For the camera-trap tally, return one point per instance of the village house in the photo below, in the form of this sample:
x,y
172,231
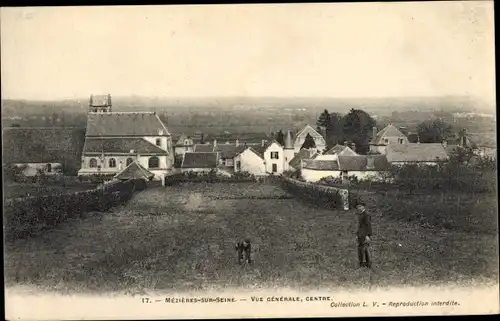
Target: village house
x,y
47,150
335,151
250,161
415,153
184,144
199,162
113,140
300,138
389,135
363,167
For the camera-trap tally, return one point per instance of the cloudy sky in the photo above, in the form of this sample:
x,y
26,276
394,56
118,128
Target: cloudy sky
x,y
320,50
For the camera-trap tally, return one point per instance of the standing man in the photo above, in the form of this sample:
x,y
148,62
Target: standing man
x,y
364,233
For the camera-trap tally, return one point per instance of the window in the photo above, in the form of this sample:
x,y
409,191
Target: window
x,y
129,161
274,155
275,168
386,141
112,162
154,162
229,162
93,163
238,165
49,168
400,140
158,142
186,142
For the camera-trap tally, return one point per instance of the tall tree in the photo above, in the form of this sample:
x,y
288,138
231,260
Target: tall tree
x,y
358,125
308,142
434,131
323,120
280,137
334,130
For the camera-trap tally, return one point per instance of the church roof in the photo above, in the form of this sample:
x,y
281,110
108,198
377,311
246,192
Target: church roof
x,y
121,145
125,124
134,171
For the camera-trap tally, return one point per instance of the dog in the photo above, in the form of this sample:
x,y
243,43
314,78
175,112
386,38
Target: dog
x,y
244,249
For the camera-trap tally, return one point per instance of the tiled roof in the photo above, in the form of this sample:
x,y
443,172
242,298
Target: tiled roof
x,y
362,163
388,131
125,124
229,150
203,148
296,160
199,160
288,140
425,152
335,150
310,129
121,145
43,145
133,171
321,165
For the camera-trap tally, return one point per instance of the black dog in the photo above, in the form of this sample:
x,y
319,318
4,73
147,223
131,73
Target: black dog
x,y
244,250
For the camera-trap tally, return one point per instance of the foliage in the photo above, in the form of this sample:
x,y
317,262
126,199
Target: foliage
x,y
208,177
323,120
358,128
13,173
334,130
308,142
324,196
280,137
434,131
26,216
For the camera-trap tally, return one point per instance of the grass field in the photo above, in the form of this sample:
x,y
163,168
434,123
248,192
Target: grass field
x,y
182,238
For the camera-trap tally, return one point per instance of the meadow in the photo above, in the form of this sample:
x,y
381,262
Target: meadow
x,y
182,238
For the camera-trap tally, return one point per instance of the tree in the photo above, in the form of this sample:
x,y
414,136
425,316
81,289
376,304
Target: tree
x,y
280,138
323,120
308,142
358,127
334,130
434,131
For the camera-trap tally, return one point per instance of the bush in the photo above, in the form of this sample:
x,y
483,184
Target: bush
x,y
210,177
26,216
325,196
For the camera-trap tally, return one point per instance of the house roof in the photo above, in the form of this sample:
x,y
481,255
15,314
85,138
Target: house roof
x,y
121,145
229,150
297,159
203,148
309,128
100,100
42,145
125,124
388,131
424,152
335,150
134,171
361,163
199,160
321,165
288,140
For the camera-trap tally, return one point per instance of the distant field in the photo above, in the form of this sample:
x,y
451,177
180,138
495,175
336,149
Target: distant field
x,y
12,190
181,238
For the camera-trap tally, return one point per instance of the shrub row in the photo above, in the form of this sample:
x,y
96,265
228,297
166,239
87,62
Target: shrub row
x,y
210,177
24,217
324,196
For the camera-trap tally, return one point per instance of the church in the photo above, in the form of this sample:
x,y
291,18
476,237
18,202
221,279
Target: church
x,y
114,140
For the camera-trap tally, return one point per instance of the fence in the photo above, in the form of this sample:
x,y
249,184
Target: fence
x,y
322,195
24,217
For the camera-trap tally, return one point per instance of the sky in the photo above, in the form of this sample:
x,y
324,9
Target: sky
x,y
282,50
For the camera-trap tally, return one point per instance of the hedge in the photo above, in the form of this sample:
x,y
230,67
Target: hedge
x,y
210,177
24,217
324,196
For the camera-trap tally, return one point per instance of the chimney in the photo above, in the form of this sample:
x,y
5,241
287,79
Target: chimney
x,y
263,142
237,142
215,142
370,162
353,146
374,133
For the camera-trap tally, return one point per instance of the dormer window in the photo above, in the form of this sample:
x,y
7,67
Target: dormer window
x,y
160,132
158,142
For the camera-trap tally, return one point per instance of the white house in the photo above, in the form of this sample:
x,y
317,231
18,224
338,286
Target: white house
x,y
250,161
334,152
113,140
388,135
361,166
300,137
